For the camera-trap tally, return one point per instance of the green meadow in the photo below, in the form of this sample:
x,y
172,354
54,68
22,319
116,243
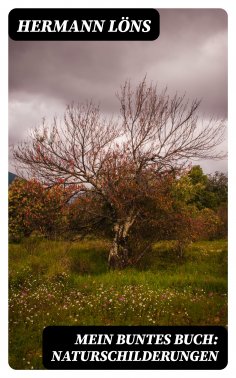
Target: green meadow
x,y
63,283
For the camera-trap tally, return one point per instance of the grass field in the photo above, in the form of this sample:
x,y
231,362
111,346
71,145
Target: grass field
x,y
58,283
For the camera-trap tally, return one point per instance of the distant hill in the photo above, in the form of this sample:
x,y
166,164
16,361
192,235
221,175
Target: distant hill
x,y
11,177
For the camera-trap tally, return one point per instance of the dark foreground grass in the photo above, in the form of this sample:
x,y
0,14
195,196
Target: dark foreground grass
x,y
58,283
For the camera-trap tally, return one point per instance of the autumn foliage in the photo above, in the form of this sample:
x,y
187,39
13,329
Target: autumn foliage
x,y
166,208
33,208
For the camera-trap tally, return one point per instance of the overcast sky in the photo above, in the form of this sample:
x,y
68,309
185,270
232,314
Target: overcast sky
x,y
189,56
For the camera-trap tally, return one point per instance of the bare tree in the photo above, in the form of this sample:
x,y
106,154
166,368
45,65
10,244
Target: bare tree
x,y
121,162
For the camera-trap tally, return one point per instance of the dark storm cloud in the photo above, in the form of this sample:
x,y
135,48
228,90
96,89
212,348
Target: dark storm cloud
x,y
189,56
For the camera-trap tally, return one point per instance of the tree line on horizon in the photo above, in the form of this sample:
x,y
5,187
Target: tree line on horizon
x,y
188,208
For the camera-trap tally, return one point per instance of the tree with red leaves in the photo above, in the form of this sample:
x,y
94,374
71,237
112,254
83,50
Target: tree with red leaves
x,y
123,166
34,208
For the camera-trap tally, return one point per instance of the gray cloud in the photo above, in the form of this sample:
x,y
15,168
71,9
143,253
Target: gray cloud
x,y
189,56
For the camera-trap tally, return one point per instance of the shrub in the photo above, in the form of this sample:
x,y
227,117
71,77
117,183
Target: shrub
x,y
32,208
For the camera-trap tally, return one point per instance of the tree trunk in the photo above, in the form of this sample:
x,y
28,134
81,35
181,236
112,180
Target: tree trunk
x,y
118,255
119,252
